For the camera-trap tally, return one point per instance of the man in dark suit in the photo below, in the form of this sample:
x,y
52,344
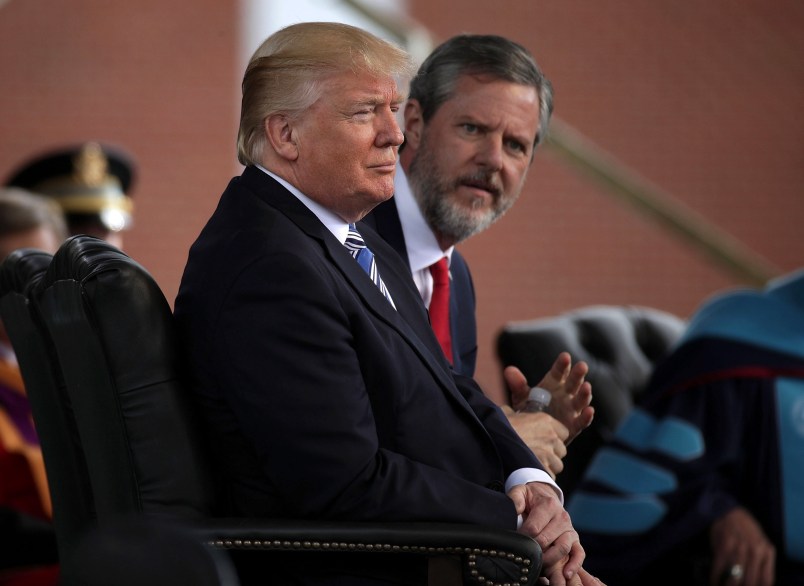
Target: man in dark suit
x,y
313,364
478,108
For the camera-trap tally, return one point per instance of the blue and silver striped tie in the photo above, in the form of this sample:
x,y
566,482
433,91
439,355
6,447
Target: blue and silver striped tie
x,y
365,258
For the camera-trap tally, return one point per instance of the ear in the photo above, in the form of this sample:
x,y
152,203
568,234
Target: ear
x,y
280,134
414,124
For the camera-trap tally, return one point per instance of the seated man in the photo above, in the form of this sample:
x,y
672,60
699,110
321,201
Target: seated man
x,y
321,383
711,459
462,166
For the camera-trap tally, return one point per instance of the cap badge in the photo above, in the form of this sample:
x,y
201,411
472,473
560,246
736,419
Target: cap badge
x,y
91,165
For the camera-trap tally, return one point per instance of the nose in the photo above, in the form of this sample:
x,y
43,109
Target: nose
x,y
388,131
490,153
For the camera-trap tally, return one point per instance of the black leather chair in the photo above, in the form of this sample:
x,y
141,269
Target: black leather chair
x,y
114,407
144,552
66,472
621,344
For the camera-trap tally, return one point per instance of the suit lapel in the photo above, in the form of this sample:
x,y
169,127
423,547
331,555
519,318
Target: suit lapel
x,y
410,318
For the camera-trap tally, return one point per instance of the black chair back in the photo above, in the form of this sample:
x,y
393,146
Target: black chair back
x,y
112,329
71,494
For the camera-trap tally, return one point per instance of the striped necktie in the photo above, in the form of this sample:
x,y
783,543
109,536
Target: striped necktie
x,y
365,258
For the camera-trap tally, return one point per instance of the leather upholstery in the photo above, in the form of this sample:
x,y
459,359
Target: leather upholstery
x,y
100,307
621,344
135,434
67,478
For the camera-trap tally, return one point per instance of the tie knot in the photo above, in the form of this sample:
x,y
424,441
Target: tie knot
x,y
440,271
354,241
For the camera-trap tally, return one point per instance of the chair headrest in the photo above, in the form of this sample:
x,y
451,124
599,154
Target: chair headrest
x,y
22,269
620,343
81,257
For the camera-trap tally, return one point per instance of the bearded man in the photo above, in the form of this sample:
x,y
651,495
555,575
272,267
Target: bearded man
x,y
478,108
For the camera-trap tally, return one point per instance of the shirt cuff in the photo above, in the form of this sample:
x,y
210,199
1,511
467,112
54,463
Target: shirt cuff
x,y
525,475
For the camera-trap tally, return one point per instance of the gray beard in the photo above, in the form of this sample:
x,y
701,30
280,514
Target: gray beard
x,y
449,221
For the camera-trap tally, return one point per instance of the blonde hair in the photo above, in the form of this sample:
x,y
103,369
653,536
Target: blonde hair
x,y
285,73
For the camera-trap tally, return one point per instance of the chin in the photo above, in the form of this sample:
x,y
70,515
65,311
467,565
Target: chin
x,y
479,217
385,192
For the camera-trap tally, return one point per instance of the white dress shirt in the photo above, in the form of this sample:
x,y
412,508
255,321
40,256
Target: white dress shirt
x,y
421,244
333,222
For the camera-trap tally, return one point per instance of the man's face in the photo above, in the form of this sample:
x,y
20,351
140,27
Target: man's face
x,y
347,144
469,162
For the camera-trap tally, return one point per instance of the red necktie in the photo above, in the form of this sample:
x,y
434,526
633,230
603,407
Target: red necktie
x,y
439,306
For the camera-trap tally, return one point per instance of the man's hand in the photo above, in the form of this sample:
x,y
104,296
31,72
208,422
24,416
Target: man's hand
x,y
571,393
582,578
546,521
738,542
544,435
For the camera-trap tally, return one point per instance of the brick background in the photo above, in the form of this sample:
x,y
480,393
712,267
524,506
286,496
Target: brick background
x,y
701,98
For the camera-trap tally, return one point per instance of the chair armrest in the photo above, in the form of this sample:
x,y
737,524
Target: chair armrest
x,y
488,556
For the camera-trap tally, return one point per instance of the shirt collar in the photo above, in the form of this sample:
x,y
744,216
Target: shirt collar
x,y
422,246
333,222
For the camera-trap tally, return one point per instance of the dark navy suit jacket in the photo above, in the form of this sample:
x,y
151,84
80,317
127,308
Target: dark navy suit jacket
x,y
321,400
463,326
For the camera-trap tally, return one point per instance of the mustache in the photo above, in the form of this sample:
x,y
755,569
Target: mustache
x,y
482,180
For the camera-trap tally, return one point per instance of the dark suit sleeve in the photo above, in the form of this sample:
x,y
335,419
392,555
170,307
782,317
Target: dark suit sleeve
x,y
513,452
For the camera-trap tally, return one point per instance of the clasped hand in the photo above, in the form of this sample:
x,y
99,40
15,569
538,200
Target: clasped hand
x,y
546,521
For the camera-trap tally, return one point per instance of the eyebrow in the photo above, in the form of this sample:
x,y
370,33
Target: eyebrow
x,y
373,101
469,119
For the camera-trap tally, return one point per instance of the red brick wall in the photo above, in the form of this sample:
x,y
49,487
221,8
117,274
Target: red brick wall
x,y
156,78
704,99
